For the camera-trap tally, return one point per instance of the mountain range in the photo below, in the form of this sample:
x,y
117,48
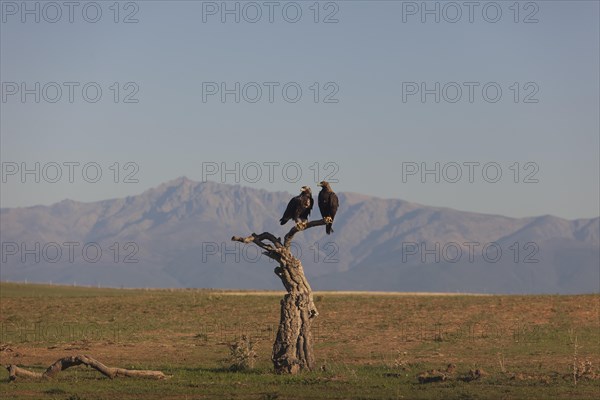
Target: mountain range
x,y
178,235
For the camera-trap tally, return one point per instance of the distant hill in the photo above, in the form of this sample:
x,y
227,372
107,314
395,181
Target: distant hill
x,y
179,232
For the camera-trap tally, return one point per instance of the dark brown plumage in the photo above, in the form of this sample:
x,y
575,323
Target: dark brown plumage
x,y
299,207
328,205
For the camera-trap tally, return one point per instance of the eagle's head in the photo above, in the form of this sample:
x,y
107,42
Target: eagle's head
x,y
325,185
305,189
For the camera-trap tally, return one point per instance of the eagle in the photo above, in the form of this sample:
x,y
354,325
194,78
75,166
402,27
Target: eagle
x,y
299,207
328,205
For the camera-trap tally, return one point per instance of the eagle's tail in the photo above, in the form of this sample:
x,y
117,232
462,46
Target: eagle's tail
x,y
329,228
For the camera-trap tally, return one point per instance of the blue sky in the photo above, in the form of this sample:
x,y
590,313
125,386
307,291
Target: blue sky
x,y
546,119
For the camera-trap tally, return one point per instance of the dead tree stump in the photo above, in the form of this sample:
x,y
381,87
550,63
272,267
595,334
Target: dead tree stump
x,y
293,347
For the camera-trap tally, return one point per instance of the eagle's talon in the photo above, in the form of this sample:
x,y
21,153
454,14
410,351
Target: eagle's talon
x,y
328,220
301,225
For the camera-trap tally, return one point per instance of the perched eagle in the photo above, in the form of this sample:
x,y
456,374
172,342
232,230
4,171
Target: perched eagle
x,y
328,205
299,207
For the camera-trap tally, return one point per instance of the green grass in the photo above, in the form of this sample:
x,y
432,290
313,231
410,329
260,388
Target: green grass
x,y
366,346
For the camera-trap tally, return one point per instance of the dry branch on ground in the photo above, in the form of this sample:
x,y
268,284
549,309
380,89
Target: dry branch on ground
x,y
62,364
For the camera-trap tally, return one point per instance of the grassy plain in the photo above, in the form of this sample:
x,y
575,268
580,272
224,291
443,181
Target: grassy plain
x,y
367,345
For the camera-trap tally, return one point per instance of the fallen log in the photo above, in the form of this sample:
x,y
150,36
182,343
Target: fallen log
x,y
62,364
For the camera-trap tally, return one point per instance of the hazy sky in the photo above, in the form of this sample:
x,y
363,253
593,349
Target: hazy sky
x,y
386,92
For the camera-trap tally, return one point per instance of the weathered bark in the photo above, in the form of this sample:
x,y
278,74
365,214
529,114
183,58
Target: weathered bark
x,y
15,372
293,347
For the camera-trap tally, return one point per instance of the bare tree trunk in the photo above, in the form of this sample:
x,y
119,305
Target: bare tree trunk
x,y
15,372
293,347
